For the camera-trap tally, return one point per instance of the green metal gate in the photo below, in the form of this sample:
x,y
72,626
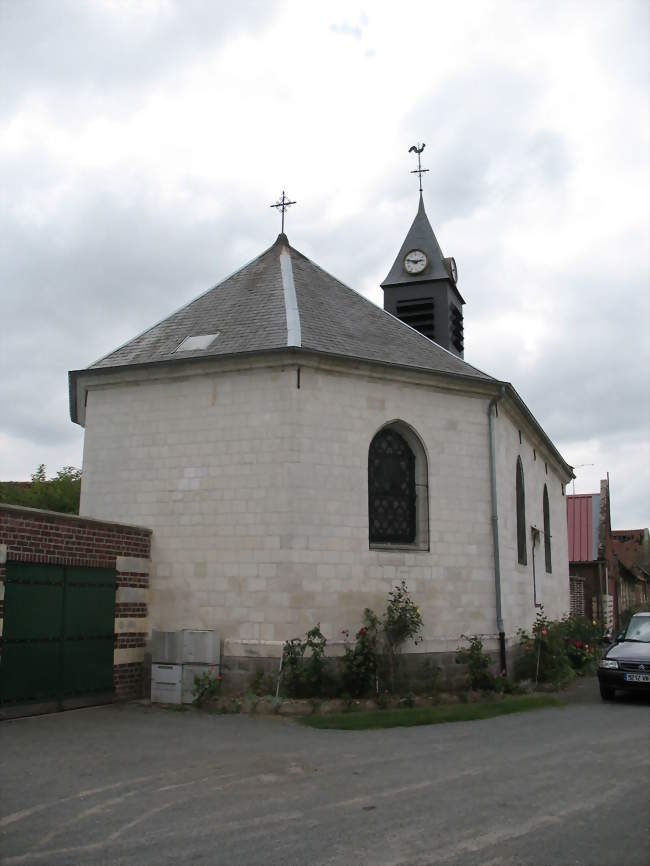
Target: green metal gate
x,y
57,640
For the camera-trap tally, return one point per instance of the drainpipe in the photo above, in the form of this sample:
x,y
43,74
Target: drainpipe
x,y
534,538
495,528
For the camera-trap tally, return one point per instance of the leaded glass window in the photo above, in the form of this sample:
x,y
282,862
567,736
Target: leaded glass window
x,y
547,532
521,514
391,489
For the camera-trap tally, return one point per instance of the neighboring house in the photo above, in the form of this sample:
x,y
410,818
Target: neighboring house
x,y
631,554
592,586
608,569
297,451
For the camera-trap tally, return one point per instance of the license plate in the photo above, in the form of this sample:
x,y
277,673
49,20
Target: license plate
x,y
637,678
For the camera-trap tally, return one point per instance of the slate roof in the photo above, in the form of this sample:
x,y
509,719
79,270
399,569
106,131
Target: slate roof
x,y
282,299
419,237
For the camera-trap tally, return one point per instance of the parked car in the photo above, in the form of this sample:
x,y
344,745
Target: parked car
x,y
626,664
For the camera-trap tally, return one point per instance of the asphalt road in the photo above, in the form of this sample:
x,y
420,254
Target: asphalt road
x,y
139,785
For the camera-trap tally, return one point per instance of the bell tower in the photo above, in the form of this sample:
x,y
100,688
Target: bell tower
x,y
421,287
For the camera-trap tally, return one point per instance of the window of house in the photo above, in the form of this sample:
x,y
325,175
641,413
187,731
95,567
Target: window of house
x,y
521,514
577,596
547,532
397,488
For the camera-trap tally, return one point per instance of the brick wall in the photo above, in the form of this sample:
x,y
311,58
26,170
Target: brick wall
x,y
31,535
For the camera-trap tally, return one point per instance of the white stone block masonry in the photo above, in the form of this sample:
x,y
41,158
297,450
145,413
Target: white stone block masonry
x,y
257,495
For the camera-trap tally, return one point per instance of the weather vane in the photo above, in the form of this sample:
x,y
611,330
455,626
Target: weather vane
x,y
418,148
283,204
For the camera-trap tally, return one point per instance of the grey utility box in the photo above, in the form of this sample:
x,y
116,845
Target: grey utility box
x,y
176,658
201,646
167,647
166,684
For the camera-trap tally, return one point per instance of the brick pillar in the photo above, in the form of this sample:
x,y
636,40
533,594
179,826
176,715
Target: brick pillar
x,y
131,625
3,572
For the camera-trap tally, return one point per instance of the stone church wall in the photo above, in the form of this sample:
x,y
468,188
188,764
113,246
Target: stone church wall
x,y
256,491
519,589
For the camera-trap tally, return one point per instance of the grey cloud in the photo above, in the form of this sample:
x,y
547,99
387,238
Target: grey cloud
x,y
589,377
484,141
77,46
105,270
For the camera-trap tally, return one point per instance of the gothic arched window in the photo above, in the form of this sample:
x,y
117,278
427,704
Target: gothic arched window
x,y
398,488
391,489
547,531
521,514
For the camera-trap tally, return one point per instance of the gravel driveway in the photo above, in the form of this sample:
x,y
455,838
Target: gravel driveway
x,y
134,784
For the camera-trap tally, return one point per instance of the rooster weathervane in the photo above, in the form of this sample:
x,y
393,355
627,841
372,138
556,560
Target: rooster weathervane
x,y
418,148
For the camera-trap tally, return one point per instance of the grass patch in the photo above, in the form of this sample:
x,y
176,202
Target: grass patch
x,y
431,715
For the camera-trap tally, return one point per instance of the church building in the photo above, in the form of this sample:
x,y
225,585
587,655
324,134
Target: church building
x,y
298,451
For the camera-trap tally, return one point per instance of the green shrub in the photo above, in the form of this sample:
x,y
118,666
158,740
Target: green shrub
x,y
402,621
505,686
583,639
303,666
262,684
544,656
206,686
360,661
478,664
377,645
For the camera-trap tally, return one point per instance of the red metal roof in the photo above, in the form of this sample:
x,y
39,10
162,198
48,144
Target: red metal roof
x,y
631,548
583,546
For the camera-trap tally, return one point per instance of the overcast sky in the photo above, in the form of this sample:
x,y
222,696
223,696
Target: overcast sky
x,y
141,144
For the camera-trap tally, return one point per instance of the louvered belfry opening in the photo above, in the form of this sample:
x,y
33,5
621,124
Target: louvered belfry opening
x,y
391,489
419,313
456,328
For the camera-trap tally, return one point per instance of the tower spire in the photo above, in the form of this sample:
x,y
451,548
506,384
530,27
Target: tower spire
x,y
421,287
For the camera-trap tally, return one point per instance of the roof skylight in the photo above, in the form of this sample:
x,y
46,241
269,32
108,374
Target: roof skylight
x,y
198,341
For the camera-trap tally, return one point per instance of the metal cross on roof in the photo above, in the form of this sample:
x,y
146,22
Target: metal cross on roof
x,y
283,204
418,148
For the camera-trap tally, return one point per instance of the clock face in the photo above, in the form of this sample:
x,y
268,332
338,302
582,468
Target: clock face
x,y
415,262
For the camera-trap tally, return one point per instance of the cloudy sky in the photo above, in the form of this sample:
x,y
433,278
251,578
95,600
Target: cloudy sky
x,y
141,144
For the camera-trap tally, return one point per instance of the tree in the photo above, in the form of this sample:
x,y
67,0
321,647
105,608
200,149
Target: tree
x,y
59,493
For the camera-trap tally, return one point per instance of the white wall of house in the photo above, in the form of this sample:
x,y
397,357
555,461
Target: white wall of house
x,y
257,494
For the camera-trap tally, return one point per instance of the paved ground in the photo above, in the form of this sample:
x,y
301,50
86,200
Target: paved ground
x,y
139,785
